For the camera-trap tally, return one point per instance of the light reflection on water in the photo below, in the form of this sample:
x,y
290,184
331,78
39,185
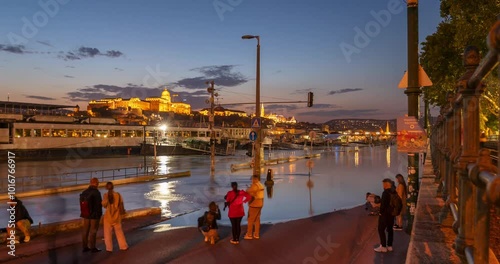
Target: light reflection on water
x,y
339,178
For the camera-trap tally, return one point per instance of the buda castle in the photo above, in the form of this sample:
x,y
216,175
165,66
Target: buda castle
x,y
153,104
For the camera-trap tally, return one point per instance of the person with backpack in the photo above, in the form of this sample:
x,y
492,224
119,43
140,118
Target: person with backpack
x,y
207,224
113,202
388,210
402,193
235,200
91,212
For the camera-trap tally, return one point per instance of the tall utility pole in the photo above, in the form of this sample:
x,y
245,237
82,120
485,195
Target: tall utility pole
x,y
413,92
258,130
211,90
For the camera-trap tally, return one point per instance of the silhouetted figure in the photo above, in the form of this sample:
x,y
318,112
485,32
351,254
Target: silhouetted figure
x,y
91,212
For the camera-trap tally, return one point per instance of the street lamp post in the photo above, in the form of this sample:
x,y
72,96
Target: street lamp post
x,y
413,92
258,130
211,90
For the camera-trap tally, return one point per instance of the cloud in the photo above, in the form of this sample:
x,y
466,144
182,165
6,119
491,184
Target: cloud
x,y
222,75
118,69
88,52
17,49
69,76
45,43
69,66
40,97
342,113
346,90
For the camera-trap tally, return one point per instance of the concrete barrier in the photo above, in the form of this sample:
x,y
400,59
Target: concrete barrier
x,y
51,228
101,184
248,165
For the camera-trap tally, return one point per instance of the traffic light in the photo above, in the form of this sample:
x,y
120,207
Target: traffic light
x,y
310,99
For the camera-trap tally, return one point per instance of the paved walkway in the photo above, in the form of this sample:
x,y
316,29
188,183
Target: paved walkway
x,y
347,236
431,241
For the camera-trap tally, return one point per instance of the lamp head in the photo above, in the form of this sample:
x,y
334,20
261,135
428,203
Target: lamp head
x,y
248,37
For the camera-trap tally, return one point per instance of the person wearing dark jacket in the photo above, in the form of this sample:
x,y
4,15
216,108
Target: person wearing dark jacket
x,y
23,219
386,219
91,222
210,227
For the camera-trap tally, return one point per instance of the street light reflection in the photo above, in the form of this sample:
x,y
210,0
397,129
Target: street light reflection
x,y
388,157
356,158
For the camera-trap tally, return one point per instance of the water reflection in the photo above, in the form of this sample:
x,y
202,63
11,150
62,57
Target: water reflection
x,y
162,164
388,157
163,192
310,185
356,158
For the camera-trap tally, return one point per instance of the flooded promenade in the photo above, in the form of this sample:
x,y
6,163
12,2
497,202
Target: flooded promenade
x,y
339,179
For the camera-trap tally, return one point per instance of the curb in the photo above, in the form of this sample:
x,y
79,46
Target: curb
x,y
71,225
101,184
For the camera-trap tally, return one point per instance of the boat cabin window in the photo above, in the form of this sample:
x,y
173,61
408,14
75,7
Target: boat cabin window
x,y
202,134
115,133
45,132
102,133
59,132
87,133
139,133
37,132
74,132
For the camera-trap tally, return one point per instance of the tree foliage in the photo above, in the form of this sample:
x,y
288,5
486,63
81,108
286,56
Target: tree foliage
x,y
464,23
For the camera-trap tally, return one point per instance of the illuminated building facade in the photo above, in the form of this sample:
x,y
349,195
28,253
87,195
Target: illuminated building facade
x,y
154,104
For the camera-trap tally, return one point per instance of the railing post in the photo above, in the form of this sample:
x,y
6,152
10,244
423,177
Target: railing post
x,y
482,213
470,121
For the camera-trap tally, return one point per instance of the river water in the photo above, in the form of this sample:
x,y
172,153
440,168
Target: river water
x,y
339,179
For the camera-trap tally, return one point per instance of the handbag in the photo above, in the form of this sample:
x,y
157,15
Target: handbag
x,y
226,204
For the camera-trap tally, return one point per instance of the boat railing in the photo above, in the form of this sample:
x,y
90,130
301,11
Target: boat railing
x,y
38,182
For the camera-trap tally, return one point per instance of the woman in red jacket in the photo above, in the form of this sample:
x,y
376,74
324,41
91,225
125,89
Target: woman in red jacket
x,y
235,199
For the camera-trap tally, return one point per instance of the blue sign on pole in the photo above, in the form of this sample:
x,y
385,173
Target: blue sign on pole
x,y
252,136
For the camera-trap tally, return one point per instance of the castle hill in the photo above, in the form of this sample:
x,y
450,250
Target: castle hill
x,y
233,131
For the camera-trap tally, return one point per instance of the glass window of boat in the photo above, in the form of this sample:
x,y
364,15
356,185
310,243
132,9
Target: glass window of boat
x,y
201,134
139,133
74,132
87,133
18,132
115,133
45,132
128,133
59,132
194,133
37,133
102,133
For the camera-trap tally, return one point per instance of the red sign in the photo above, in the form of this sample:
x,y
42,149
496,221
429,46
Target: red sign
x,y
411,137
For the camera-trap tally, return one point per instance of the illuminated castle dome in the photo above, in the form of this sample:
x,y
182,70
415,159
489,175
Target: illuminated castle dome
x,y
166,95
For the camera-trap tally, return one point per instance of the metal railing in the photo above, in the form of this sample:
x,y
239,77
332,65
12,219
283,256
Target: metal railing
x,y
467,174
30,183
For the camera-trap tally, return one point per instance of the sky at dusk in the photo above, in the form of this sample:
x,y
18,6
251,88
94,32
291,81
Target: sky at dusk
x,y
71,51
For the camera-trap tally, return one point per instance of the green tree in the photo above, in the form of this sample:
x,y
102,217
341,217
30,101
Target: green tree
x,y
464,23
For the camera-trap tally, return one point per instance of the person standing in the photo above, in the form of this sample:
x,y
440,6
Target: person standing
x,y
256,191
402,193
385,219
92,197
235,200
23,220
113,202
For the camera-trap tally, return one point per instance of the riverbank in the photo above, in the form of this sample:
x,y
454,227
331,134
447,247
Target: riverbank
x,y
346,236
